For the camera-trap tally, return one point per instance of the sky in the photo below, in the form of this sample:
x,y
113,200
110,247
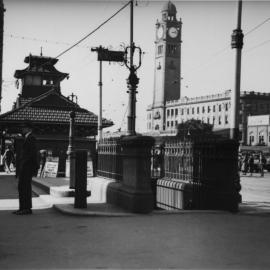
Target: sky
x,y
208,62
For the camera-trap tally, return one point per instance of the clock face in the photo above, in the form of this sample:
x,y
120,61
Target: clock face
x,y
173,32
160,32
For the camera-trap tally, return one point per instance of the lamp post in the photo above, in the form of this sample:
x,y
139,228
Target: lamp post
x,y
132,80
237,43
70,151
2,10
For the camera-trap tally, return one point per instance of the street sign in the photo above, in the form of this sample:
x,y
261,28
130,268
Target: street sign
x,y
111,56
107,55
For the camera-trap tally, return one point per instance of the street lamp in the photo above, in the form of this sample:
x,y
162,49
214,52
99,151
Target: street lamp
x,y
132,80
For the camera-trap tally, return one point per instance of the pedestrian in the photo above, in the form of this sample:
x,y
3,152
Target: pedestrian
x,y
28,167
240,160
8,158
244,165
43,156
251,164
262,162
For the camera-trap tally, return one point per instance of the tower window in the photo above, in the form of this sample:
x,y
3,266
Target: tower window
x,y
203,109
168,112
219,107
208,109
198,109
171,49
226,119
214,108
193,110
172,112
226,107
160,49
176,112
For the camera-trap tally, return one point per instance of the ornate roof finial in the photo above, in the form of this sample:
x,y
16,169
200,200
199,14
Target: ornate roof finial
x,y
41,51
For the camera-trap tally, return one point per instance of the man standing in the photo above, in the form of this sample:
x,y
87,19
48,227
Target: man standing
x,y
28,166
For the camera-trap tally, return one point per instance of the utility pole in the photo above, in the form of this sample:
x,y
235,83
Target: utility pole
x,y
100,102
99,51
132,80
2,10
237,43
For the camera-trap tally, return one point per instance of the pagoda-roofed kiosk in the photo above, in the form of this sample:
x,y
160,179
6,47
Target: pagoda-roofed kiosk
x,y
40,76
42,102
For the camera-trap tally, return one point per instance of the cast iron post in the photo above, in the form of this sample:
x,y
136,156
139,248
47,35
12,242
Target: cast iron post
x,y
132,80
2,10
237,43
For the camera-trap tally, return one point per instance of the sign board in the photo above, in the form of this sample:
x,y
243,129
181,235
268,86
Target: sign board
x,y
258,120
111,56
51,167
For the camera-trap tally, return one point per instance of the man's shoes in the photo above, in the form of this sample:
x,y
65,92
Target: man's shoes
x,y
23,212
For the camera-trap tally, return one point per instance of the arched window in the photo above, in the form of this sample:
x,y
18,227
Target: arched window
x,y
156,127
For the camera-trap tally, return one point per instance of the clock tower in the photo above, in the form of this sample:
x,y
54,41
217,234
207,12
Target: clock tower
x,y
167,75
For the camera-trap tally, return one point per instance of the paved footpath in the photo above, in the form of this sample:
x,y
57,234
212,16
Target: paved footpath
x,y
49,240
180,240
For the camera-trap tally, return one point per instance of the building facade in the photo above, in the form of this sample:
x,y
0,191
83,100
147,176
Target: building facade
x,y
169,108
211,109
258,130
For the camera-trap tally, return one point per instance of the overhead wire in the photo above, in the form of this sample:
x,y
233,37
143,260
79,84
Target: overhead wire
x,y
257,26
42,40
213,56
86,36
257,46
92,32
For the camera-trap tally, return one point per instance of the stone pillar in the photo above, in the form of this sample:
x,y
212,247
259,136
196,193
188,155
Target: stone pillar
x,y
134,192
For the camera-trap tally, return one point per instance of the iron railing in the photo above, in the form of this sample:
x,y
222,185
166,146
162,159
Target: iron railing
x,y
110,159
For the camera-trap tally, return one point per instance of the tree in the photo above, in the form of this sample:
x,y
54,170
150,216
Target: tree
x,y
194,128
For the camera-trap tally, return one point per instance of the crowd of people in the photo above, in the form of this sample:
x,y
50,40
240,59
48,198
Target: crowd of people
x,y
251,163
